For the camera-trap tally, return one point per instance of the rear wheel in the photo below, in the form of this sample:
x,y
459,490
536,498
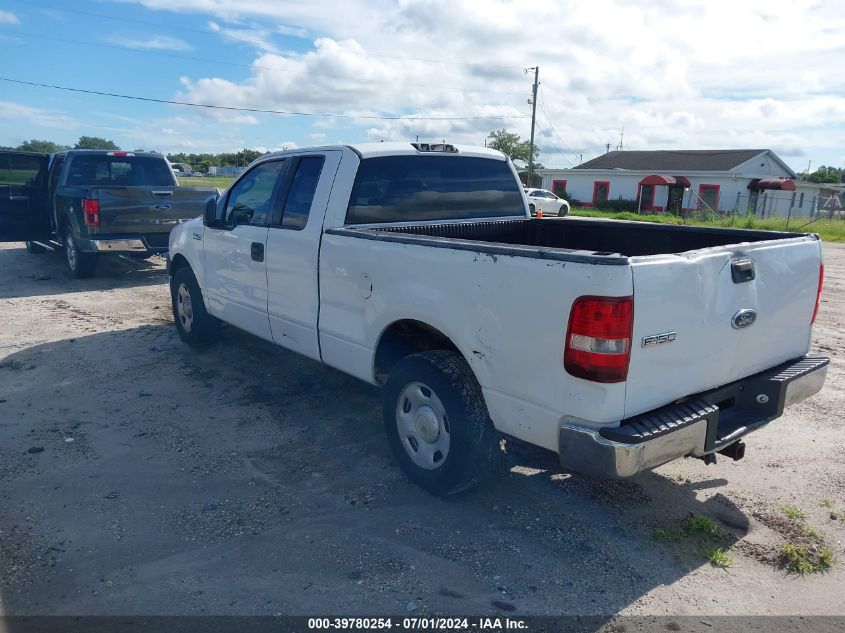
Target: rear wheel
x,y
79,264
195,325
437,422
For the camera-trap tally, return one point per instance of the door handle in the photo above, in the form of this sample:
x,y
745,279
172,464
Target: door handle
x,y
256,251
742,270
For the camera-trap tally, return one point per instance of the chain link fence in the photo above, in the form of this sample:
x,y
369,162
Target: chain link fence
x,y
793,206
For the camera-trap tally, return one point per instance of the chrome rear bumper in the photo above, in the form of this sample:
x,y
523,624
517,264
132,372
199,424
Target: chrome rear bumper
x,y
701,424
119,246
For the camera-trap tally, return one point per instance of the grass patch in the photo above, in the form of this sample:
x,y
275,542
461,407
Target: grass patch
x,y
812,532
826,503
668,535
800,559
829,230
794,513
696,540
702,527
719,557
222,182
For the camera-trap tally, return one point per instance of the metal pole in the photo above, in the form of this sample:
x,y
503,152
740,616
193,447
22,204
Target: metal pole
x,y
533,119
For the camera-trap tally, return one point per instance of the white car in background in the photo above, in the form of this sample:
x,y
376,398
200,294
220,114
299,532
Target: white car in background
x,y
545,202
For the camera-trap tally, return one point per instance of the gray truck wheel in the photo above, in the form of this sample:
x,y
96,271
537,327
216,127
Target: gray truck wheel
x,y
195,325
437,422
81,265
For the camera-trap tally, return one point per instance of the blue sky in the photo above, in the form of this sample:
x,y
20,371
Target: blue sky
x,y
679,74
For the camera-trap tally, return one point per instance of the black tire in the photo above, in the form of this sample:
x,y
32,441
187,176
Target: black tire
x,y
195,325
532,209
32,247
563,211
473,444
80,265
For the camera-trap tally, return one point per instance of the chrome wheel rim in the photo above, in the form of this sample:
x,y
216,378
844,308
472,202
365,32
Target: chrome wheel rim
x,y
184,307
423,425
70,250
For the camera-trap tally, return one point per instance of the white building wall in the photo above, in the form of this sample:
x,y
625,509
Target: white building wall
x,y
734,195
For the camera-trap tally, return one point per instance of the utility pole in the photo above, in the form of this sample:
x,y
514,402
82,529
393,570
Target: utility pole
x,y
536,70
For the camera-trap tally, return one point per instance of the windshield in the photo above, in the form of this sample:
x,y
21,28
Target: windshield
x,y
99,170
418,188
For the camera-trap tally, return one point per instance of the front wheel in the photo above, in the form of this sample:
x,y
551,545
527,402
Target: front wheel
x,y
532,209
195,325
563,211
437,422
80,264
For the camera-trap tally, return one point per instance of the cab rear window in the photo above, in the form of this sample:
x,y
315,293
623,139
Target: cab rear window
x,y
419,188
119,171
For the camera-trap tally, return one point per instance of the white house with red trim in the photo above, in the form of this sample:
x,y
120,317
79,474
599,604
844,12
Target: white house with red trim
x,y
680,181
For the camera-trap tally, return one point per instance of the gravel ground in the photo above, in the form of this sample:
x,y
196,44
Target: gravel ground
x,y
140,477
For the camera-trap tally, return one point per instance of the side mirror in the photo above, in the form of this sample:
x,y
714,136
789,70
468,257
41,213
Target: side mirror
x,y
209,217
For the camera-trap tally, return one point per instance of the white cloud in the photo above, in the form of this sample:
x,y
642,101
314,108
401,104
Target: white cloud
x,y
18,113
154,43
7,17
293,31
678,73
258,38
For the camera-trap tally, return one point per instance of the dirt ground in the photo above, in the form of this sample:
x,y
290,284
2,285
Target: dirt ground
x,y
138,476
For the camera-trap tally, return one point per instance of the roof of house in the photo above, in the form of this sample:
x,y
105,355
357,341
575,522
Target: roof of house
x,y
673,160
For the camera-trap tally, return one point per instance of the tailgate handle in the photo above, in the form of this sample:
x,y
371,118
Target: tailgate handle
x,y
742,270
162,193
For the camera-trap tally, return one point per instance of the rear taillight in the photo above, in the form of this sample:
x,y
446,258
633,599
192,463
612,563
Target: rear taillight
x,y
91,211
818,293
598,339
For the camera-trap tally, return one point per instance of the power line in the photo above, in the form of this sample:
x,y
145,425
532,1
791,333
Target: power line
x,y
262,110
238,65
549,121
207,32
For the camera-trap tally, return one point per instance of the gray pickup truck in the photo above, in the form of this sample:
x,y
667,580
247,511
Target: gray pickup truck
x,y
92,202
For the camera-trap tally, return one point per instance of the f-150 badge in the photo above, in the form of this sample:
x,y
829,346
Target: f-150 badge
x,y
659,339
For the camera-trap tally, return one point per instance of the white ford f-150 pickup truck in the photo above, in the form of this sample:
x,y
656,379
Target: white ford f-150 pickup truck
x,y
618,345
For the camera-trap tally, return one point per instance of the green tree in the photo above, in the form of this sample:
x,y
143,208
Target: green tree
x,y
95,142
510,144
825,174
36,145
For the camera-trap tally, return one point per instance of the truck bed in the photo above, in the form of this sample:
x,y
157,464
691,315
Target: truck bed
x,y
599,241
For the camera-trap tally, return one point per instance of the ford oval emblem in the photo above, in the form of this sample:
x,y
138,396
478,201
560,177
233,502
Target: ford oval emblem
x,y
743,318
163,206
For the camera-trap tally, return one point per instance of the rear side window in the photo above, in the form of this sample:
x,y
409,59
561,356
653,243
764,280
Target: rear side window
x,y
119,171
301,194
417,188
18,169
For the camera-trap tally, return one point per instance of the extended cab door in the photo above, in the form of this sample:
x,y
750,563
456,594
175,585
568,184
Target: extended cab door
x,y
293,247
23,196
234,253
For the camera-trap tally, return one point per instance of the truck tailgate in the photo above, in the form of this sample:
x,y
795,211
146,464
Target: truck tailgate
x,y
687,336
144,210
